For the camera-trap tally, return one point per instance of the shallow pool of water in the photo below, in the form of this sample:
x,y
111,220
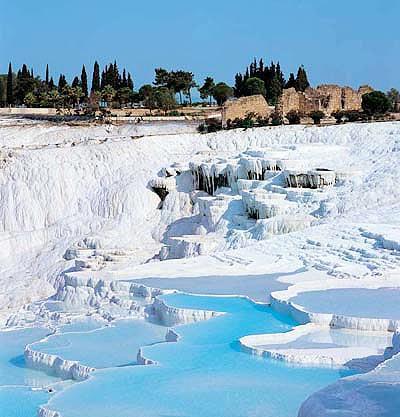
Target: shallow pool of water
x,y
204,374
353,302
22,390
115,345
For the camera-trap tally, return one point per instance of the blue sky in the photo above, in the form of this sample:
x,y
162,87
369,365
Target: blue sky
x,y
348,42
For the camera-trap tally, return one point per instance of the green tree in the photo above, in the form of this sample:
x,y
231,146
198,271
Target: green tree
x,y
275,90
30,99
62,83
375,103
206,90
10,87
54,98
84,82
108,94
291,83
129,82
178,83
96,77
302,79
254,86
164,99
239,85
124,95
221,93
280,76
47,74
162,78
188,84
25,83
147,96
394,97
75,82
71,96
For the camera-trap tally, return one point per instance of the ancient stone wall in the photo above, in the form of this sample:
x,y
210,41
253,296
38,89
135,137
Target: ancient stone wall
x,y
241,107
328,98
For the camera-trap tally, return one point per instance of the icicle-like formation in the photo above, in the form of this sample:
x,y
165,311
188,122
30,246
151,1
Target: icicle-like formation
x,y
210,176
257,169
317,178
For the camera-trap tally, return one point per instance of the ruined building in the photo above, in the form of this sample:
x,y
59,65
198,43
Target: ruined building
x,y
328,98
241,107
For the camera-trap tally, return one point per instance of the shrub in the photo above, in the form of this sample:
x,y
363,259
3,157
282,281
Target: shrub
x,y
317,116
353,115
262,121
349,116
338,115
276,119
293,117
209,126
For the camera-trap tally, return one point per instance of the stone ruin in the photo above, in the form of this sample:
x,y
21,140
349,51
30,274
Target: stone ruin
x,y
328,98
239,108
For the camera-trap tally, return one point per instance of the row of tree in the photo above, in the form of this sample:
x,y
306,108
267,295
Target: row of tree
x,y
268,81
24,88
110,86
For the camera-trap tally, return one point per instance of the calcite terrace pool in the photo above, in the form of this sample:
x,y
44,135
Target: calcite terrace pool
x,y
204,373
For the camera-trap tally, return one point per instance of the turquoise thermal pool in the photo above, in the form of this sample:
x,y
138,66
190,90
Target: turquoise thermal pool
x,y
204,374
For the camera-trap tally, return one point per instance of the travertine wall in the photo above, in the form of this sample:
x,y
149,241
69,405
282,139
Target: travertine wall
x,y
239,108
328,98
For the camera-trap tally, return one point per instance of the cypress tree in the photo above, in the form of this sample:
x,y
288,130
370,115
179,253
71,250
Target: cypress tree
x,y
10,93
96,77
260,71
129,81
47,74
62,82
84,83
75,82
115,76
24,85
238,89
103,78
246,75
301,79
51,84
124,81
291,83
280,75
275,90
